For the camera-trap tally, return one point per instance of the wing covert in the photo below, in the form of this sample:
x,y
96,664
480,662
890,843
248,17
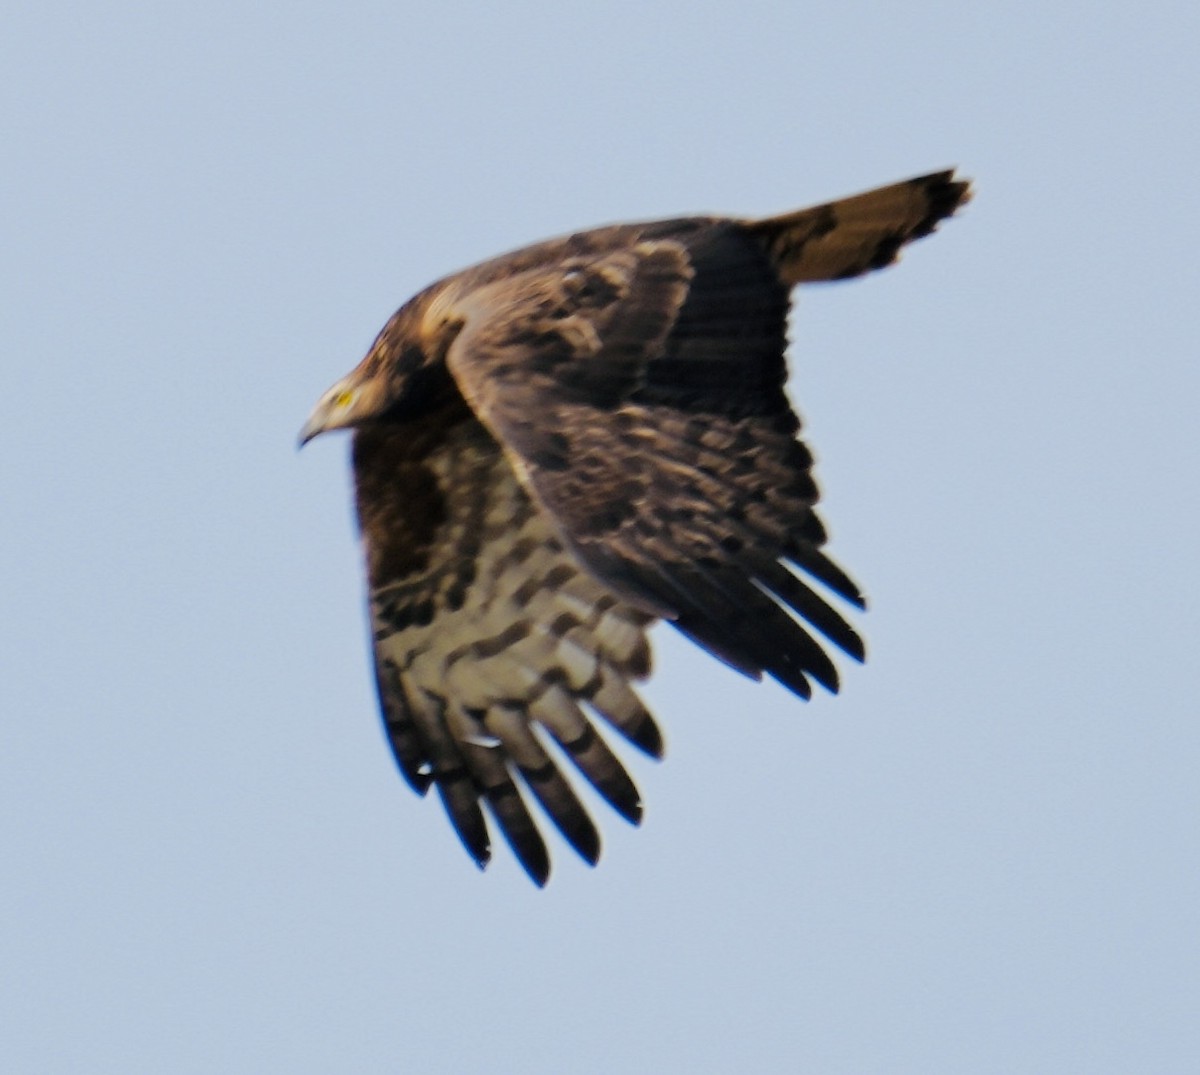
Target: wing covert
x,y
640,397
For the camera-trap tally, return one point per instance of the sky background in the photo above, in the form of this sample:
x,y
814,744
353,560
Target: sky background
x,y
990,860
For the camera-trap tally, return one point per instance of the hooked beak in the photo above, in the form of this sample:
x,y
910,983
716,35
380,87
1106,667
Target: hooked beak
x,y
318,422
339,408
325,415
312,427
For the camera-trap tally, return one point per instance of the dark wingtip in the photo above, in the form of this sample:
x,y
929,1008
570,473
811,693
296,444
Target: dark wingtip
x,y
648,738
536,865
633,813
581,833
591,852
465,816
481,856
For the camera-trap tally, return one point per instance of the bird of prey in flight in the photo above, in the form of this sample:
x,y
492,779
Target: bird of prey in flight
x,y
558,447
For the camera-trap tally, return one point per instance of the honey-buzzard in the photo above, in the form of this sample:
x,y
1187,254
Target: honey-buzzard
x,y
558,447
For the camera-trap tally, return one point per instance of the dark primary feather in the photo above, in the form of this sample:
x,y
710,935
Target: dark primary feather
x,y
562,444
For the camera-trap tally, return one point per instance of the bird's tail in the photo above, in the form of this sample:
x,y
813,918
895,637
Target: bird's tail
x,y
855,235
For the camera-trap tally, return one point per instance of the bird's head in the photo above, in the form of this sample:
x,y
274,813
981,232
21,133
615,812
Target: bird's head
x,y
352,401
404,373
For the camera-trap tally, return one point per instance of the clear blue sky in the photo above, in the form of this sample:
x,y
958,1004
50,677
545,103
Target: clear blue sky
x,y
983,856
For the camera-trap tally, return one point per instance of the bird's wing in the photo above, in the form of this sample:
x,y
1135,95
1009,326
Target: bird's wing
x,y
486,628
639,394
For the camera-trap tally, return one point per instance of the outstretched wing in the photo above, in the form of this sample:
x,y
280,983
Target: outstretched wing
x,y
638,390
640,395
486,629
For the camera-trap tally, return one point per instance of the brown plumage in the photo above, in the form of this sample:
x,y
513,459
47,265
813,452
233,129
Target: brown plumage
x,y
559,446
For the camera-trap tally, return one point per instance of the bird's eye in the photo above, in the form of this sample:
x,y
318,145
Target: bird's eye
x,y
343,399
